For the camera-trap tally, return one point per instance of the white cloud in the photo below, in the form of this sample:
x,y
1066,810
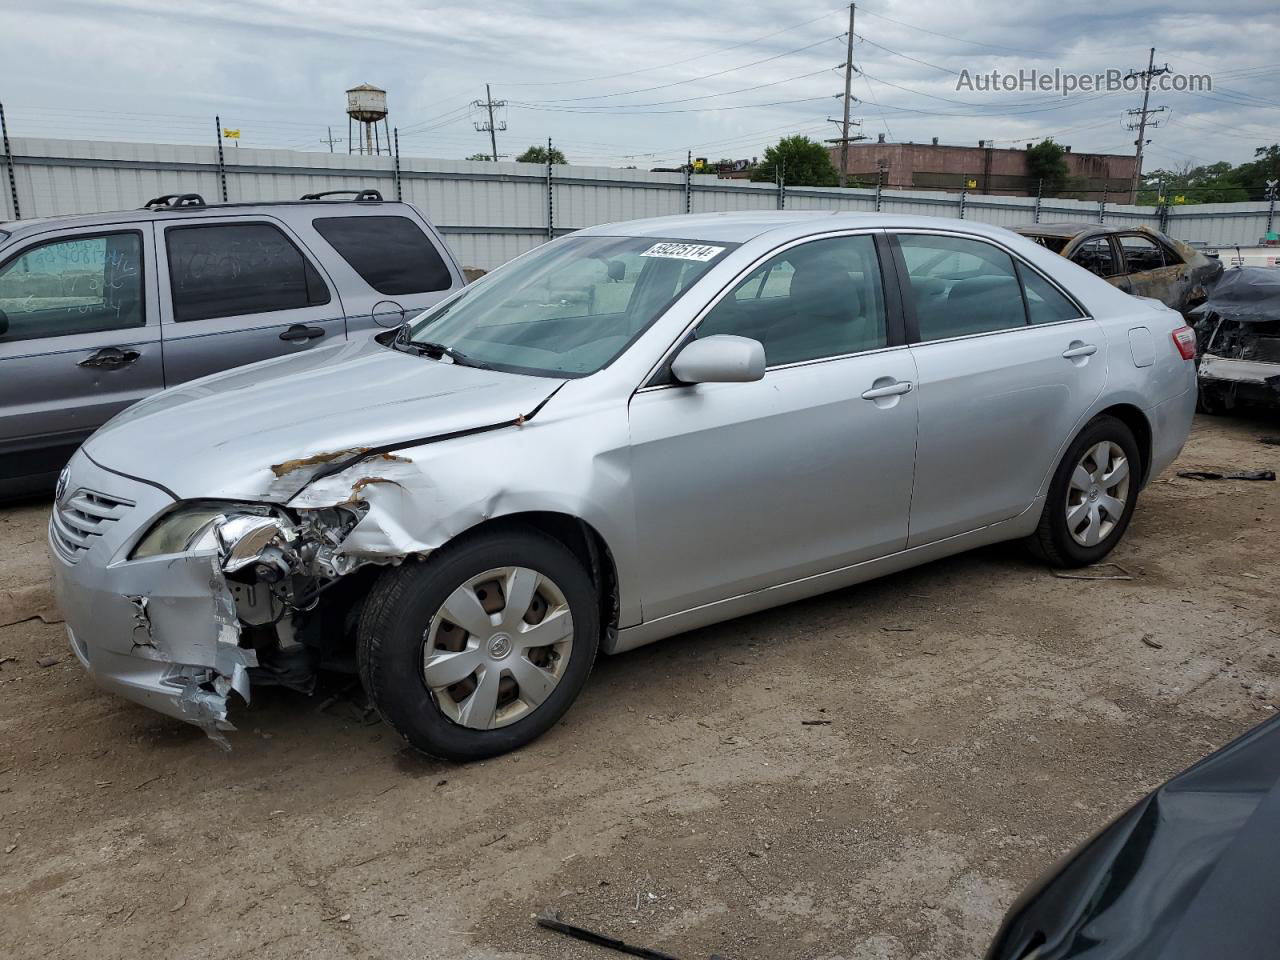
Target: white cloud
x,y
159,70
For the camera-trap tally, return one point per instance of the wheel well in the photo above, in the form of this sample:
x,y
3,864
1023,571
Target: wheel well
x,y
582,540
1137,422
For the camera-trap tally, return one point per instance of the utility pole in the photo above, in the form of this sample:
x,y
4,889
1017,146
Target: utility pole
x,y
844,139
490,128
1142,115
330,139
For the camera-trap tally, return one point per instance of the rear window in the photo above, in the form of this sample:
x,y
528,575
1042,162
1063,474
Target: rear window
x,y
234,269
391,254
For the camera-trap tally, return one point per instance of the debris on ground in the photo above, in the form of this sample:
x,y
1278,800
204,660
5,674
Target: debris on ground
x,y
1239,475
1270,441
1152,642
28,603
48,661
552,921
1122,575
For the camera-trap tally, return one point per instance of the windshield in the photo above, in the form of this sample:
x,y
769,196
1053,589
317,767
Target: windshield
x,y
567,309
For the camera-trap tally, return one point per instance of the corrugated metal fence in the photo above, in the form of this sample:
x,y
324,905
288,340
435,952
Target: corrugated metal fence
x,y
492,212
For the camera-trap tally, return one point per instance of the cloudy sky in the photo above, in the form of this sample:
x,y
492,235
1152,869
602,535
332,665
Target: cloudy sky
x,y
625,83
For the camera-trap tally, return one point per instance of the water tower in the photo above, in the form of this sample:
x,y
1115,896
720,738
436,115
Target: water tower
x,y
367,108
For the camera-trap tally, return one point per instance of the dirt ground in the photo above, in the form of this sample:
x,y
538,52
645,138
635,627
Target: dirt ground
x,y
979,717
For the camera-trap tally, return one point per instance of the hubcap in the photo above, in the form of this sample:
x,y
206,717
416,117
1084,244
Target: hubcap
x,y
1097,493
497,647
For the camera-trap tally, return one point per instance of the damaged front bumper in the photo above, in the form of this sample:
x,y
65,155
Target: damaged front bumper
x,y
162,631
1227,370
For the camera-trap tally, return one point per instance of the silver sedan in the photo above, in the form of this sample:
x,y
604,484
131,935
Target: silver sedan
x,y
624,434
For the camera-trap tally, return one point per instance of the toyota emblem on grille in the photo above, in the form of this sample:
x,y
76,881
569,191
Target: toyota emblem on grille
x,y
61,487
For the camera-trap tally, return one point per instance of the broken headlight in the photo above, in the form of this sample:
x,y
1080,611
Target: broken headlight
x,y
239,532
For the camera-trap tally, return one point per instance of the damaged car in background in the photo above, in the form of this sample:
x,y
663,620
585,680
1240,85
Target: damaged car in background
x,y
1137,260
1239,332
622,435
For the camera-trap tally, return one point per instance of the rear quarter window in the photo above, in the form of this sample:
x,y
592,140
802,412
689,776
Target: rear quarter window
x,y
391,254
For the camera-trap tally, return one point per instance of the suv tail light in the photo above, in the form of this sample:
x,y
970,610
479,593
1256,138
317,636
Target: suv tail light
x,y
1184,338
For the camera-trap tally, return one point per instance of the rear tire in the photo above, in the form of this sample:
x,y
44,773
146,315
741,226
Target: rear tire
x,y
1092,496
494,689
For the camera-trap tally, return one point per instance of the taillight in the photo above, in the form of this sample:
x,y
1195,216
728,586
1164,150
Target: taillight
x,y
1184,338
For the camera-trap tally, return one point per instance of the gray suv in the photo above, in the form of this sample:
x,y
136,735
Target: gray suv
x,y
98,311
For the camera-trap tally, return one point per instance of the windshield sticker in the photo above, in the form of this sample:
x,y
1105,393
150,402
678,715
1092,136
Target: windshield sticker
x,y
684,251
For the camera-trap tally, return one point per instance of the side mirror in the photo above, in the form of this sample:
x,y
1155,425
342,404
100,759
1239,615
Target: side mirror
x,y
720,359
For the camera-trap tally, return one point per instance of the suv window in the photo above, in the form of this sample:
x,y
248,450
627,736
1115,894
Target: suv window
x,y
391,254
231,269
73,286
819,299
1097,257
1141,253
961,286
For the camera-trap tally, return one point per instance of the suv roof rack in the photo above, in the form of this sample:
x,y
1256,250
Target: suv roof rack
x,y
360,196
175,200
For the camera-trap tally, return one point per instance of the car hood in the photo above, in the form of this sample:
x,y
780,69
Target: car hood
x,y
1187,873
262,432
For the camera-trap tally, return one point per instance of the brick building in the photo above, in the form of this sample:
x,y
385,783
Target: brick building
x,y
982,169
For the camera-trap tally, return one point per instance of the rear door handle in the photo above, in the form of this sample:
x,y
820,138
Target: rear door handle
x,y
301,332
895,389
110,358
1079,349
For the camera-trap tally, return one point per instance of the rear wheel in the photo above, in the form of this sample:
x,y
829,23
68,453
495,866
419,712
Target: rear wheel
x,y
1092,496
483,647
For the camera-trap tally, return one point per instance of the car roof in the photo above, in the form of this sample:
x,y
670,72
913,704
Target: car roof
x,y
16,228
740,227
1064,229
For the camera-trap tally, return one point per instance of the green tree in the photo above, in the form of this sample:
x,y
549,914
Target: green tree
x,y
480,156
537,154
1047,167
1264,166
1208,183
803,162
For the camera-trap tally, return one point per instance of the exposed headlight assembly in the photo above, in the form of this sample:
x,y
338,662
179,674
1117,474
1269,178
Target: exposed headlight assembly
x,y
242,534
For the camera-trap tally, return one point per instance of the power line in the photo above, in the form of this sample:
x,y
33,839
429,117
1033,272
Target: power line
x,y
899,53
598,113
705,76
609,108
673,63
947,36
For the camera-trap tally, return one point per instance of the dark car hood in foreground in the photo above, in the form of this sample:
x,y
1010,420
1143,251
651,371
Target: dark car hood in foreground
x,y
219,437
1189,873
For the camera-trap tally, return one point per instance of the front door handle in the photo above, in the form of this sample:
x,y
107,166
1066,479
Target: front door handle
x,y
110,358
302,332
895,389
1078,349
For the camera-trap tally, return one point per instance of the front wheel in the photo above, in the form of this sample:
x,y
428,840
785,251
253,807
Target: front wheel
x,y
1092,496
483,647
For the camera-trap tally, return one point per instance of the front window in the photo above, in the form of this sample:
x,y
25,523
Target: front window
x,y
815,300
72,287
568,309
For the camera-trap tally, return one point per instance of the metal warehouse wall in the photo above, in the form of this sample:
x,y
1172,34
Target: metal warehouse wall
x,y
492,212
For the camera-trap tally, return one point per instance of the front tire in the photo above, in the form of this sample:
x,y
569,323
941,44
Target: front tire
x,y
1092,496
483,647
